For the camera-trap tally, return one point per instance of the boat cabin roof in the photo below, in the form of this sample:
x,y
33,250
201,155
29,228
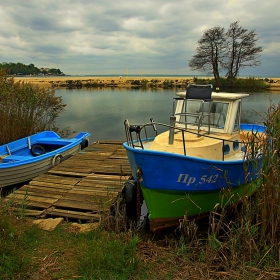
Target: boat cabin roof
x,y
220,95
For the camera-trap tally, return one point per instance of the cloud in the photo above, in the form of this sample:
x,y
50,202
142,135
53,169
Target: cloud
x,y
108,37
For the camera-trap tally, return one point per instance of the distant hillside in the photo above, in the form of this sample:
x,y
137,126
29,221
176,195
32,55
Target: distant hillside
x,y
21,69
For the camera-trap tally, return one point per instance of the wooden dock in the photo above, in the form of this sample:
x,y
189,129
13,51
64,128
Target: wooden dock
x,y
80,188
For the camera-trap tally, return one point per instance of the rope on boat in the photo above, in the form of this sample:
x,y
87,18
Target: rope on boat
x,y
2,157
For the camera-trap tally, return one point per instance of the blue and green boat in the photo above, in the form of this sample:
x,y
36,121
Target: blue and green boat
x,y
204,158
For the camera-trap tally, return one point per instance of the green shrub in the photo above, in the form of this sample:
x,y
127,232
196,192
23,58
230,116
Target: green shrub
x,y
238,84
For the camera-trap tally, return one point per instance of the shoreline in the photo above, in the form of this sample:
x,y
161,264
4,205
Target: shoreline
x,y
119,81
105,81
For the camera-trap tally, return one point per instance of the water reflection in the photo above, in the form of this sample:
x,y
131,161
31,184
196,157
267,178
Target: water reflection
x,y
103,111
256,105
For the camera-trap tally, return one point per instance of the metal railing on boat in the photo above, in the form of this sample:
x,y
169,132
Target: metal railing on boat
x,y
137,141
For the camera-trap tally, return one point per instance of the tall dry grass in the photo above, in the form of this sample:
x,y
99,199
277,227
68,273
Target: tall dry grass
x,y
26,109
244,240
268,197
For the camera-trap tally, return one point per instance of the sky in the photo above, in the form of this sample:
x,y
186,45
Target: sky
x,y
129,37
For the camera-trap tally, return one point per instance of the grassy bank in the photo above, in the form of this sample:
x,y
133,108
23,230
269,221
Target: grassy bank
x,y
178,83
27,252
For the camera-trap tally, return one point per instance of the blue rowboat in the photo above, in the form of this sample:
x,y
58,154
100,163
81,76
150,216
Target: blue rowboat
x,y
205,158
24,159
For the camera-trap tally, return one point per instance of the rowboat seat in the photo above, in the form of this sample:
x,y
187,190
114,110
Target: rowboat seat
x,y
12,158
55,141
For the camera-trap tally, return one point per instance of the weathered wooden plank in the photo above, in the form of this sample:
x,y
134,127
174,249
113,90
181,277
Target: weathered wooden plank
x,y
78,160
120,153
73,214
100,183
73,204
91,195
107,177
30,198
119,156
96,157
55,186
99,188
57,179
86,198
78,165
86,169
45,175
68,173
42,191
112,170
30,204
115,142
29,212
33,194
94,193
99,149
116,161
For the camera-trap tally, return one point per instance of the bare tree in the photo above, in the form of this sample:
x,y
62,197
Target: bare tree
x,y
242,50
228,51
210,52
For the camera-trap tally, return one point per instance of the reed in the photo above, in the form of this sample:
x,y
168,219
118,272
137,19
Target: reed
x,y
26,109
268,211
245,238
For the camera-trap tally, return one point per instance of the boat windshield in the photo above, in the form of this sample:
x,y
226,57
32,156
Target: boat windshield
x,y
218,114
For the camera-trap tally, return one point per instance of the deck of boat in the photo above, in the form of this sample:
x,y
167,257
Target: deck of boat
x,y
80,188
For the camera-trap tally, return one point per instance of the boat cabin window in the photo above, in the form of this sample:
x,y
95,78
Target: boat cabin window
x,y
235,145
237,118
218,115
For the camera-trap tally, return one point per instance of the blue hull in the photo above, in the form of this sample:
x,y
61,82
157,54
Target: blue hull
x,y
26,158
172,172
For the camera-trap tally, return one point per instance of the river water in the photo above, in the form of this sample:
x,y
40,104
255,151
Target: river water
x,y
102,111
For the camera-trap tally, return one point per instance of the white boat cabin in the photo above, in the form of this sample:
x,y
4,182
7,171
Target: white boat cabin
x,y
207,129
225,112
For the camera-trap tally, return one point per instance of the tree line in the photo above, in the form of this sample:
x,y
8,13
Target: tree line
x,y
22,69
228,51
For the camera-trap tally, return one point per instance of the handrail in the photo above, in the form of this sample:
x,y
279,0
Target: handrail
x,y
139,128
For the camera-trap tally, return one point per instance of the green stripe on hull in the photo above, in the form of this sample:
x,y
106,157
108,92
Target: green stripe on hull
x,y
165,208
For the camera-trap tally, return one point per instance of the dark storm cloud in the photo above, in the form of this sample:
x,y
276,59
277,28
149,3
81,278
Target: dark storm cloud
x,y
107,37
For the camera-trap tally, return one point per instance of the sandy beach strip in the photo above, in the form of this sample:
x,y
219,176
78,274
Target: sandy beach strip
x,y
48,81
120,81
